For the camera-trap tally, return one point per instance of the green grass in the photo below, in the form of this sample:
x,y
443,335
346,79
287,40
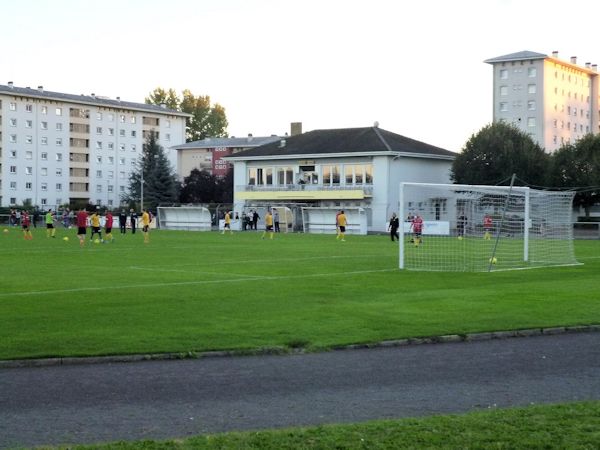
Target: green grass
x,y
193,291
571,426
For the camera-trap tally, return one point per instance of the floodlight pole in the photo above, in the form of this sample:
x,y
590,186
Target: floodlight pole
x,y
142,191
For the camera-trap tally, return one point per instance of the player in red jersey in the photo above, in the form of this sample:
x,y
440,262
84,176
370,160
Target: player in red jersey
x,y
417,228
108,223
26,223
487,227
82,218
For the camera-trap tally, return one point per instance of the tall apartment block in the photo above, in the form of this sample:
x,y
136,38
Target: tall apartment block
x,y
556,102
60,148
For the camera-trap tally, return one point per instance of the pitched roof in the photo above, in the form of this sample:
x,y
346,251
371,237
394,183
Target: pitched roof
x,y
519,56
370,140
92,100
232,142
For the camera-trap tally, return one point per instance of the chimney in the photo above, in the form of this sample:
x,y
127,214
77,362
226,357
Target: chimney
x,y
249,138
41,88
10,84
282,143
555,54
118,99
295,128
595,67
573,59
588,65
93,95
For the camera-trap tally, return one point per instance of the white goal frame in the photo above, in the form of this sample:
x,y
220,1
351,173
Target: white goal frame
x,y
523,196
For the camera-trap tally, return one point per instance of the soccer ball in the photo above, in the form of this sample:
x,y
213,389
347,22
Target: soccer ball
x,y
460,238
493,260
96,241
66,238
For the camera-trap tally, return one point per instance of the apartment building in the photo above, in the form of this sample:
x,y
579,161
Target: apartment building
x,y
58,148
555,101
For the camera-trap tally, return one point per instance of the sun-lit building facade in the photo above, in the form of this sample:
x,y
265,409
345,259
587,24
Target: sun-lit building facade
x,y
556,102
58,149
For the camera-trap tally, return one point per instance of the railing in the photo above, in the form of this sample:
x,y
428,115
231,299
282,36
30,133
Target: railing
x,y
366,188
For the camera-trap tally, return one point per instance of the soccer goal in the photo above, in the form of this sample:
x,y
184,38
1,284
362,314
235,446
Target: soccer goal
x,y
470,228
193,218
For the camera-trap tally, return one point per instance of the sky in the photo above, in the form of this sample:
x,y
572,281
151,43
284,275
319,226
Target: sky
x,y
415,67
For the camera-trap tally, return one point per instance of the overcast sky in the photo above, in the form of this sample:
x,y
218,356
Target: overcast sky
x,y
416,67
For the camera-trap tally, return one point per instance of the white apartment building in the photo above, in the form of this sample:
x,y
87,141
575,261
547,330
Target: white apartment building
x,y
60,148
556,102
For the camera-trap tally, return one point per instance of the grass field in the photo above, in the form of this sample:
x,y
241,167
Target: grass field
x,y
193,291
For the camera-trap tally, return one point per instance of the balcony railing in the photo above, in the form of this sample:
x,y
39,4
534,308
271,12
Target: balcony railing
x,y
366,188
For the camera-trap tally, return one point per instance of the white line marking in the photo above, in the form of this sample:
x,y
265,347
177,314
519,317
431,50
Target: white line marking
x,y
191,283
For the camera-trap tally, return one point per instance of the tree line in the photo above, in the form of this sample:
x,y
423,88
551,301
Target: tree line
x,y
498,150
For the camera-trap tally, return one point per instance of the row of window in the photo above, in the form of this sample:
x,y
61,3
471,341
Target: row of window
x,y
330,175
531,72
110,117
43,201
72,172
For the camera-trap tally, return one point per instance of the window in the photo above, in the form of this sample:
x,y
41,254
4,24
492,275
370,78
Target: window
x,y
29,108
44,156
59,142
531,122
59,126
44,171
28,170
111,159
110,187
28,123
12,106
44,186
167,136
121,188
555,123
13,169
122,147
12,138
98,188
44,125
59,157
58,187
110,145
133,133
44,140
503,90
251,177
111,131
575,111
331,175
349,176
110,117
167,123
13,200
132,161
99,159
122,118
531,89
121,174
13,185
44,201
132,119
29,139
531,105
99,116
122,161
98,130
98,174
122,133
13,153
44,110
531,72
13,122
110,174
503,106
28,185
59,172
133,147
58,111
98,145
29,154
503,74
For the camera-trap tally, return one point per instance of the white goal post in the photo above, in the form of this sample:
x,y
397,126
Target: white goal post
x,y
193,218
473,228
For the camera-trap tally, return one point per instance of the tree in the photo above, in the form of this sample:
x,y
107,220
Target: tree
x,y
495,153
203,187
578,166
205,121
160,181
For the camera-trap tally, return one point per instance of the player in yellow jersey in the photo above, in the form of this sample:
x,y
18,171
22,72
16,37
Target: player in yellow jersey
x,y
268,225
146,226
342,222
95,222
227,223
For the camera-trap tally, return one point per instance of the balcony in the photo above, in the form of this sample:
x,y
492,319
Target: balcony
x,y
303,192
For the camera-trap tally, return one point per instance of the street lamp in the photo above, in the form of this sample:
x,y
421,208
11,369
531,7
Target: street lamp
x,y
142,191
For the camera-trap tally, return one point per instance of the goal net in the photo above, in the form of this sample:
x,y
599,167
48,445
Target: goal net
x,y
472,228
192,218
